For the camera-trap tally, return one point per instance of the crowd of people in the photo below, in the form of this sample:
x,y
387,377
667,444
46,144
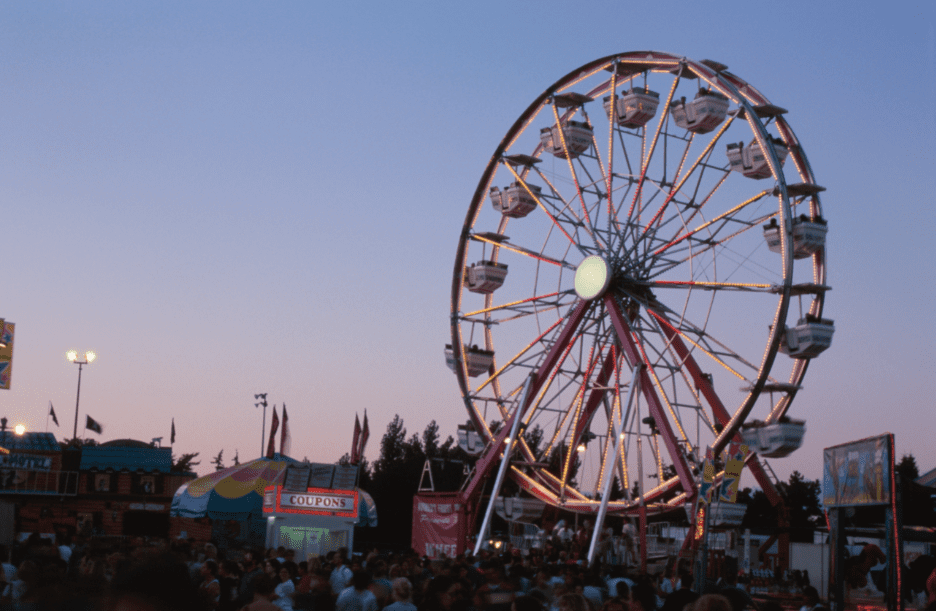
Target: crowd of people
x,y
158,575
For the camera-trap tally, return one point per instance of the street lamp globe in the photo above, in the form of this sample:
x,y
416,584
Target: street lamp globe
x,y
90,356
71,355
19,429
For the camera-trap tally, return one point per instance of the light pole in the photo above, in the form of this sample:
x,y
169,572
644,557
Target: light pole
x,y
72,355
263,402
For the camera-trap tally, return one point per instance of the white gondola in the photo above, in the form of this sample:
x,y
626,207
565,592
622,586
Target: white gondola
x,y
701,115
634,108
515,201
578,137
809,338
485,276
478,360
808,235
774,440
751,161
469,439
727,514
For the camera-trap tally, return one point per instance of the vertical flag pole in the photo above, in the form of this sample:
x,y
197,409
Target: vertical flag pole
x,y
77,398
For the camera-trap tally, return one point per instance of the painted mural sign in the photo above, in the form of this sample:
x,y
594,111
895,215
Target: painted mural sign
x,y
857,473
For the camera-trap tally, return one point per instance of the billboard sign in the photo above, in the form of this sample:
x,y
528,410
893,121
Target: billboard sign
x,y
6,353
858,473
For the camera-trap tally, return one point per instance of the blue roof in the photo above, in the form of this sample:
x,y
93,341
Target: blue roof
x,y
30,442
148,459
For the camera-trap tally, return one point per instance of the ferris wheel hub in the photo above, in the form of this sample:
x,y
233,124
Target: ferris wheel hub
x,y
592,277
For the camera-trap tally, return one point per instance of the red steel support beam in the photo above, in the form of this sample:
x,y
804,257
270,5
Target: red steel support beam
x,y
493,452
629,345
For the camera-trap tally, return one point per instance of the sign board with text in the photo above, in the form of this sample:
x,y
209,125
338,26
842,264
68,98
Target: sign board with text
x,y
313,501
439,526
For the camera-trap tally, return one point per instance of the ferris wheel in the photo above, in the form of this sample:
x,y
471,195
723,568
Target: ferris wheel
x,y
644,241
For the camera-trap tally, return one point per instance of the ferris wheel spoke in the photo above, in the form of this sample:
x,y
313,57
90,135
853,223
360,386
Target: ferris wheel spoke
x,y
520,250
645,162
721,217
539,202
701,381
664,265
514,358
578,187
711,286
708,352
514,304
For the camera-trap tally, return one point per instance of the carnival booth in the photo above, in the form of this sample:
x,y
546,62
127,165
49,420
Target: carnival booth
x,y
309,507
315,509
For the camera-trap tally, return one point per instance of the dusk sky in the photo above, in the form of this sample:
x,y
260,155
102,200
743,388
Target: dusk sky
x,y
223,199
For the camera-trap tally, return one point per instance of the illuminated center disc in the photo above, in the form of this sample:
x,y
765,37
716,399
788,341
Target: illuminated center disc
x,y
592,277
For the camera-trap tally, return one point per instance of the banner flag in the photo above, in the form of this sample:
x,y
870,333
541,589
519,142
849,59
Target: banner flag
x,y
284,437
52,413
365,435
274,425
93,425
356,441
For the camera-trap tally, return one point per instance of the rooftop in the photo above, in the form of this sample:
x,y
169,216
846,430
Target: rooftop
x,y
29,442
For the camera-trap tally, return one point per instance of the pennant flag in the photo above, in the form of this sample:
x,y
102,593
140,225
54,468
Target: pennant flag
x,y
284,437
365,434
52,413
737,453
274,425
355,447
172,435
93,425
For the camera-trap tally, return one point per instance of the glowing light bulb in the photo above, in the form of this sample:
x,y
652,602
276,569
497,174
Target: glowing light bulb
x,y
19,429
72,355
90,356
581,448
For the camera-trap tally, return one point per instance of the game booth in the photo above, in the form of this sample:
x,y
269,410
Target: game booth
x,y
865,567
309,507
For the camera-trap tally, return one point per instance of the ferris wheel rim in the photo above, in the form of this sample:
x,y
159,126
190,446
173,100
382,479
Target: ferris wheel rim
x,y
743,95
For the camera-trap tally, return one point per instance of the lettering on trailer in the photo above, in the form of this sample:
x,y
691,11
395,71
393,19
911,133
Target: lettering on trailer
x,y
325,502
434,550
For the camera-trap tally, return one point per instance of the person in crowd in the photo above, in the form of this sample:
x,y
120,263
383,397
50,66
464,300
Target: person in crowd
x,y
156,582
670,581
401,592
357,596
682,596
710,602
249,571
629,542
572,602
810,598
286,587
210,587
229,579
736,595
529,603
271,568
497,592
341,573
262,587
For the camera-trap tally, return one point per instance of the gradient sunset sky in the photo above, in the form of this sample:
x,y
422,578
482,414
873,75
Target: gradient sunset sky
x,y
223,199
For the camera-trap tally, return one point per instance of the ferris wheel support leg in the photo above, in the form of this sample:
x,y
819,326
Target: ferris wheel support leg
x,y
623,329
609,470
508,449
